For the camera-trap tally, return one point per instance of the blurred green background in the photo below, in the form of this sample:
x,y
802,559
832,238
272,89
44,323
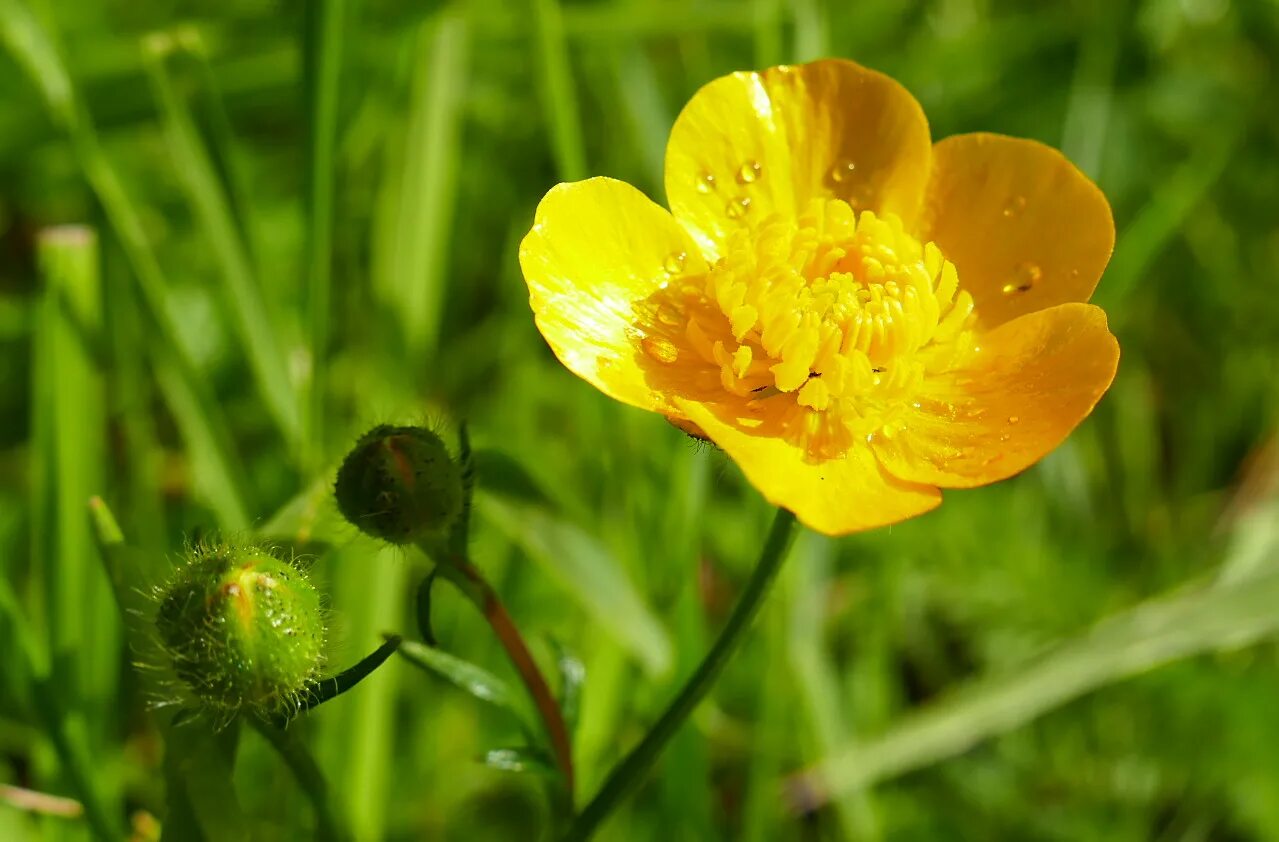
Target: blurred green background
x,y
307,219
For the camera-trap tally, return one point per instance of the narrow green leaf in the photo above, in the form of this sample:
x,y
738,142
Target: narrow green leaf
x,y
471,679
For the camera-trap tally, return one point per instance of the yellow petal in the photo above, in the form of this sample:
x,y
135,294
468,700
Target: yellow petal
x,y
835,497
750,144
597,248
1030,383
1025,228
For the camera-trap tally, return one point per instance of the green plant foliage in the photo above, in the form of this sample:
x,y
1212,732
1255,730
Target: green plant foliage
x,y
296,221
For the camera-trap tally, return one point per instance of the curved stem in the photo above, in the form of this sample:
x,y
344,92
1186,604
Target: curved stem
x,y
628,774
472,583
309,777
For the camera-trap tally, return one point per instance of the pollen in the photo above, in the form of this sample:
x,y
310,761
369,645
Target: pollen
x,y
825,326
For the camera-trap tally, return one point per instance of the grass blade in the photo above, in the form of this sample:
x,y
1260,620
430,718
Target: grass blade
x,y
358,730
242,292
1152,634
322,46
470,678
421,185
83,626
559,90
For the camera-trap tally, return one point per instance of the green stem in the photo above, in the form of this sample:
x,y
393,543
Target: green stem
x,y
308,775
630,772
331,688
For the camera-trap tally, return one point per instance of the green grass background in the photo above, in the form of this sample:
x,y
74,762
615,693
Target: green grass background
x,y
308,217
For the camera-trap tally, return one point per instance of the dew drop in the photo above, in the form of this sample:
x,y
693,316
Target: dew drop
x,y
669,316
706,183
660,349
1015,206
1026,276
748,172
842,171
737,208
1013,419
674,263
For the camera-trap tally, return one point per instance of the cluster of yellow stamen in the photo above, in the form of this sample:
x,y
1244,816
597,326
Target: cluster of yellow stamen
x,y
827,324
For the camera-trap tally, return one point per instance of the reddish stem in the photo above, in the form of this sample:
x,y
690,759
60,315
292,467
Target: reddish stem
x,y
486,599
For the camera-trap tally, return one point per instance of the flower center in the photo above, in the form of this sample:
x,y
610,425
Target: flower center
x,y
822,327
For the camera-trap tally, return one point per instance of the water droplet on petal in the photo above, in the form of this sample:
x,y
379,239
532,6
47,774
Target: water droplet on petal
x,y
842,171
1015,206
706,183
748,172
1013,419
674,263
737,208
1025,277
669,316
660,349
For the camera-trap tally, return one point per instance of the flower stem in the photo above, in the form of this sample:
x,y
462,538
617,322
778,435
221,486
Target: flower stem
x,y
630,772
471,582
309,777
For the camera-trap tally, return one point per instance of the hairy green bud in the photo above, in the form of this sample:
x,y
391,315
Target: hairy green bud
x,y
400,484
243,629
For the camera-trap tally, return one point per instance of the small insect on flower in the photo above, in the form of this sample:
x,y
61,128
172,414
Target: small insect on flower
x,y
857,316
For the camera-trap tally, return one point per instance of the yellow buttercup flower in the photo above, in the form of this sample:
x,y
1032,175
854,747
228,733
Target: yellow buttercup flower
x,y
857,316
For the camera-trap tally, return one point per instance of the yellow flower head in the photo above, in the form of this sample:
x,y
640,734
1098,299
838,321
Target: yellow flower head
x,y
857,316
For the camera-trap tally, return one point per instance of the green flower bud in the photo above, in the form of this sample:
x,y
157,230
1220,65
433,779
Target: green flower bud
x,y
242,629
400,484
